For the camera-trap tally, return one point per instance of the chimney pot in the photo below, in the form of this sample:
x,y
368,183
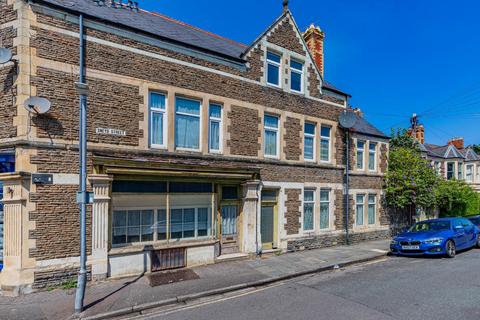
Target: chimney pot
x,y
457,142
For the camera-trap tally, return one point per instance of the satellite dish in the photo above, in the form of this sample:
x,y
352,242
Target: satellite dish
x,y
5,55
37,105
347,119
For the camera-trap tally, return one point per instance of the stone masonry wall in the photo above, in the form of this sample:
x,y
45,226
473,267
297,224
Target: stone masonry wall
x,y
244,131
292,214
59,161
57,277
324,241
57,47
57,222
293,139
110,105
8,73
285,36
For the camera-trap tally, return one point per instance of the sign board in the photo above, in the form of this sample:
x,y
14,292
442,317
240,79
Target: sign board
x,y
111,132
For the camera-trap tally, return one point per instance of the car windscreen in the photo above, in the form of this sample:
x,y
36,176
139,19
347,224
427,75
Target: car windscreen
x,y
430,226
475,221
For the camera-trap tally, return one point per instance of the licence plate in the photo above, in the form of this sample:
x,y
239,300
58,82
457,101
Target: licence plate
x,y
410,247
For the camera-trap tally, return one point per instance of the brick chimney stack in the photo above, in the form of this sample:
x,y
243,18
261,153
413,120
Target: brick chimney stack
x,y
419,133
458,142
314,37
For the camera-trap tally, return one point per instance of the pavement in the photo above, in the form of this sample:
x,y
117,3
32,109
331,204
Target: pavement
x,y
132,295
391,288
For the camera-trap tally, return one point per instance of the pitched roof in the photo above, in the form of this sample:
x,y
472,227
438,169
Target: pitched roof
x,y
327,85
446,151
155,24
364,127
470,154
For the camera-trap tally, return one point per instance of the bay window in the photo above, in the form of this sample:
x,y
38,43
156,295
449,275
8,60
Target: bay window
x,y
325,143
273,68
324,209
296,76
309,142
308,209
360,154
187,123
215,128
271,136
372,156
158,120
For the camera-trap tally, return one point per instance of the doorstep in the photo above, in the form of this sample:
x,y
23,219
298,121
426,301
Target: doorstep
x,y
232,257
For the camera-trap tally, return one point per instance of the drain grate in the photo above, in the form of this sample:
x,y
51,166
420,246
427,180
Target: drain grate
x,y
167,277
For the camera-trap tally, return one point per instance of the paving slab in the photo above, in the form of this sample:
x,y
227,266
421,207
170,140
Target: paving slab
x,y
112,295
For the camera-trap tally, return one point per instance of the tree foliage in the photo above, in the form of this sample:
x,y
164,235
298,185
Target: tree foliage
x,y
476,148
456,198
410,180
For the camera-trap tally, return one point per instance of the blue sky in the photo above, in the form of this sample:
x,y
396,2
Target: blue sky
x,y
395,57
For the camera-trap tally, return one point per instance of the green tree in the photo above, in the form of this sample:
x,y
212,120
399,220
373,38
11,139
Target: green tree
x,y
476,148
410,180
456,198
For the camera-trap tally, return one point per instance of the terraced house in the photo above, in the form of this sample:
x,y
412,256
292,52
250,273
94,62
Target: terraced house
x,y
199,148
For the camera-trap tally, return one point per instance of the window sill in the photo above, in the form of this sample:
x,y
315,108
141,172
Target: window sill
x,y
136,248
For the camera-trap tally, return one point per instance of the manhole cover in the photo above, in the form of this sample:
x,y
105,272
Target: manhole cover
x,y
161,278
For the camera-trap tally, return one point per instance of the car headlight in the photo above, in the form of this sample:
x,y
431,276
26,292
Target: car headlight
x,y
434,240
394,242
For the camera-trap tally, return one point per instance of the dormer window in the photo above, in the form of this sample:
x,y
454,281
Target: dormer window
x,y
273,68
296,76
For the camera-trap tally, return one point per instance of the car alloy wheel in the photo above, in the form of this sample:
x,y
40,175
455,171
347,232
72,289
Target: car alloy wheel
x,y
450,249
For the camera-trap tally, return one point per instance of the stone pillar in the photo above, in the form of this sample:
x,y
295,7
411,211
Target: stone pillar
x,y
17,274
251,217
101,185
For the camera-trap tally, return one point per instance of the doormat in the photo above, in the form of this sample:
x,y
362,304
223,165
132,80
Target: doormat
x,y
167,277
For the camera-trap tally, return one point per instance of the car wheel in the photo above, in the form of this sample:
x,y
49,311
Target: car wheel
x,y
478,241
450,249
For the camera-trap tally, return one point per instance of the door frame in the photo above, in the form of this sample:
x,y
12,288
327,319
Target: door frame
x,y
274,203
228,202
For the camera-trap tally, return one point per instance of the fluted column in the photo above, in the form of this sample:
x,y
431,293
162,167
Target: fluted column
x,y
251,217
16,276
101,185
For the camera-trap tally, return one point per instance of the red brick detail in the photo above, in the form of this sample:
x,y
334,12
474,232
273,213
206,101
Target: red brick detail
x,y
314,38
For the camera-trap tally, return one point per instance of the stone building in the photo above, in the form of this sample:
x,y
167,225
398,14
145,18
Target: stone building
x,y
200,149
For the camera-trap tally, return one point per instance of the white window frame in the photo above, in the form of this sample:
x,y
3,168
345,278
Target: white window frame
x,y
313,213
220,122
165,120
195,237
460,173
199,116
374,152
277,132
301,73
363,195
155,223
309,135
453,170
472,172
362,150
330,209
374,203
276,64
329,139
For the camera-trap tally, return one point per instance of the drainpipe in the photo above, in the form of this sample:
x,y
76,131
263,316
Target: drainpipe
x,y
82,195
347,187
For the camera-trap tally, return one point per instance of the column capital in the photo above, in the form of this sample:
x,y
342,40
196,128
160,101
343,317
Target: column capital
x,y
100,179
250,189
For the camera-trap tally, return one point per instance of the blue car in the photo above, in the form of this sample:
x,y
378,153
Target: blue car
x,y
443,236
